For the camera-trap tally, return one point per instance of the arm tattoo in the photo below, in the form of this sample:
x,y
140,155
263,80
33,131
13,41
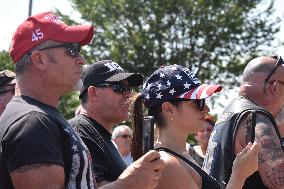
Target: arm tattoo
x,y
271,155
266,136
29,167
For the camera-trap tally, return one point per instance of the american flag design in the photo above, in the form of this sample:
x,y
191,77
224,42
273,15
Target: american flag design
x,y
175,81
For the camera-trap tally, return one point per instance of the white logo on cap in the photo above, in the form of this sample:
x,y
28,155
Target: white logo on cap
x,y
191,75
53,18
113,66
37,35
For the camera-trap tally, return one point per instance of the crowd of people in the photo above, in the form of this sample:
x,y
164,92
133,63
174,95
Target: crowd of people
x,y
41,149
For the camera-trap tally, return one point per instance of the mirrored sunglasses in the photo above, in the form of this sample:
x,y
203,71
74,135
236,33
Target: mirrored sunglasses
x,y
72,49
118,88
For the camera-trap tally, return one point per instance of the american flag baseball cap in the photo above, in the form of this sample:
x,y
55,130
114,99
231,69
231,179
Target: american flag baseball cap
x,y
175,81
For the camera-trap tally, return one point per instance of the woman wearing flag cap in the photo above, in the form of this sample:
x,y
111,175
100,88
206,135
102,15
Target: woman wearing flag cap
x,y
175,98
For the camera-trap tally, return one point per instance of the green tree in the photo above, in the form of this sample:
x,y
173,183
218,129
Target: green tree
x,y
68,104
214,38
5,61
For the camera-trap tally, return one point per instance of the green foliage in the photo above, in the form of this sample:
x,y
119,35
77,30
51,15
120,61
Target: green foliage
x,y
191,139
215,39
219,35
5,61
68,104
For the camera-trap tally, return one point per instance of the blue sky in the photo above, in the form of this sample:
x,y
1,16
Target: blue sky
x,y
19,10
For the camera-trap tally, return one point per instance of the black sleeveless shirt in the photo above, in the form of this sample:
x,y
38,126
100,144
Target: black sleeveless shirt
x,y
220,155
207,181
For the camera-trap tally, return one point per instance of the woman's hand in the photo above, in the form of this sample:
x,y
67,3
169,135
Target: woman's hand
x,y
246,162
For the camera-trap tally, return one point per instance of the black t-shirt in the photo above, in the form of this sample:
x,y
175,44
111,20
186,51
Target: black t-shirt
x,y
32,132
107,162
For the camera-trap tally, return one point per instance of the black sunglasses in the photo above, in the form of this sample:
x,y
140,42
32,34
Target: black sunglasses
x,y
278,63
118,88
125,136
200,103
72,49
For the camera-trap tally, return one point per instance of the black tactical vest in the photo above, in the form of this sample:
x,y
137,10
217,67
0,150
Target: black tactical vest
x,y
220,152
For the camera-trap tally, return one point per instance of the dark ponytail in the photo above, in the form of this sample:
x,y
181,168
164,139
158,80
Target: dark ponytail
x,y
137,127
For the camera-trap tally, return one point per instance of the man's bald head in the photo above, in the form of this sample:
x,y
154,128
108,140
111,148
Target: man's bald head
x,y
260,65
268,94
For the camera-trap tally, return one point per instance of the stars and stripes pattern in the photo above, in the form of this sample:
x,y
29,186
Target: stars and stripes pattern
x,y
175,81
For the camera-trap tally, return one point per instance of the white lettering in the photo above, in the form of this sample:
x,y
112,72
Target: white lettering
x,y
113,66
37,35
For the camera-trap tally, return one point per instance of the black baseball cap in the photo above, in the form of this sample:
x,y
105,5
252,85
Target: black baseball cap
x,y
7,77
108,71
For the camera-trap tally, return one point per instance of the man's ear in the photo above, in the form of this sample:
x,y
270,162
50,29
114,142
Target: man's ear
x,y
273,88
37,60
92,91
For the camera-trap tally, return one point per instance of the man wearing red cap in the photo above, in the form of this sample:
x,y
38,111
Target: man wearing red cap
x,y
38,147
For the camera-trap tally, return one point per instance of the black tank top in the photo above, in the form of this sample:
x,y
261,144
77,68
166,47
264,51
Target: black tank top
x,y
208,182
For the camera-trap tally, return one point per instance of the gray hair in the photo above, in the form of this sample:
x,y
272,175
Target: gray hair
x,y
117,131
22,66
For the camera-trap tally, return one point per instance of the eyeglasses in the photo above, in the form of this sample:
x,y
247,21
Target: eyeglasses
x,y
118,88
125,136
200,103
72,49
278,63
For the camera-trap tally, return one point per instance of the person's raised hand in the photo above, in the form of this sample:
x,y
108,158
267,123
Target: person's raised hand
x,y
143,173
246,162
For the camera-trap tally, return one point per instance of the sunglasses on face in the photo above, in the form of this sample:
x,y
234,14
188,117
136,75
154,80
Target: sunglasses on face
x,y
200,103
125,136
279,62
118,88
72,49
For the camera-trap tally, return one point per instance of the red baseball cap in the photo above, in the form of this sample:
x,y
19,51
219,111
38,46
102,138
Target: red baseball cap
x,y
46,26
